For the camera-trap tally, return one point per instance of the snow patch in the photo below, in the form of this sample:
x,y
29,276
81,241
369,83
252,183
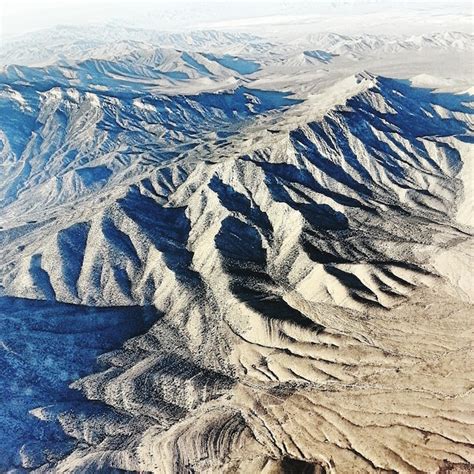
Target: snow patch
x,y
143,106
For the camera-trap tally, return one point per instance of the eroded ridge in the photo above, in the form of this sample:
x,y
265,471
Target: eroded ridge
x,y
307,314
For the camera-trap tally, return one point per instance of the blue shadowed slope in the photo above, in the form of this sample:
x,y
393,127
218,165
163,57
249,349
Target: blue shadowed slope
x,y
240,65
37,133
44,346
322,56
196,65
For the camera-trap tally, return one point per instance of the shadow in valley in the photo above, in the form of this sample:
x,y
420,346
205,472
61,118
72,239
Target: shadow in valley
x,y
45,346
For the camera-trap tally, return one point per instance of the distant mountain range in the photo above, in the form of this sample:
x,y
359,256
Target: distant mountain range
x,y
46,47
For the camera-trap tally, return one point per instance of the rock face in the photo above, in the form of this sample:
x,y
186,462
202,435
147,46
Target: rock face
x,y
308,285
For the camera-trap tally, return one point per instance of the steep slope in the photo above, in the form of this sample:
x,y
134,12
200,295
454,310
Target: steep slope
x,y
365,157
306,276
63,137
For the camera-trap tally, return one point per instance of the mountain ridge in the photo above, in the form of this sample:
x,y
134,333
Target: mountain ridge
x,y
279,254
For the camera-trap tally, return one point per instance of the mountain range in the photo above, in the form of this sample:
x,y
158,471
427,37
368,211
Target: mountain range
x,y
205,269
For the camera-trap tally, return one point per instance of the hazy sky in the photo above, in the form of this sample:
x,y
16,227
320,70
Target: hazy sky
x,y
20,16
